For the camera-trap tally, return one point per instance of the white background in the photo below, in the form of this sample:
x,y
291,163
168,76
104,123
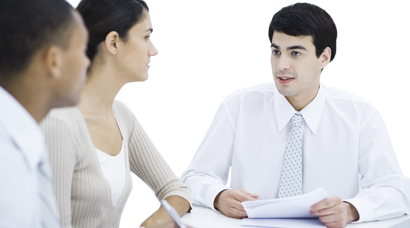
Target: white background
x,y
208,49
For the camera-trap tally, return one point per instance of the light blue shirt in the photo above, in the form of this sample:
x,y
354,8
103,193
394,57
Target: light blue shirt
x,y
22,149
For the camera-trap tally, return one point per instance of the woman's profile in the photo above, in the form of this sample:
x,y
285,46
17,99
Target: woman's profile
x,y
94,146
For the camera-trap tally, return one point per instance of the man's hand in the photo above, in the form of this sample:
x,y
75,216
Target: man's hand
x,y
229,202
333,212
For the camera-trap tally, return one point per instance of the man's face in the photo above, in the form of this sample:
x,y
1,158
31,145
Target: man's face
x,y
74,65
295,67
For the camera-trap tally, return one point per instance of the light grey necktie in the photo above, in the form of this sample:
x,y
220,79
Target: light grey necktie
x,y
48,210
291,179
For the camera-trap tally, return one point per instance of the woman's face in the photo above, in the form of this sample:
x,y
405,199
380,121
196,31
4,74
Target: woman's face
x,y
137,50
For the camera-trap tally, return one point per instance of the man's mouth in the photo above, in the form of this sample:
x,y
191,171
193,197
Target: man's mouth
x,y
285,79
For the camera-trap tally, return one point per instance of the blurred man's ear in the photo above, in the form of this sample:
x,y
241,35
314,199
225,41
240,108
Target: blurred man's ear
x,y
53,61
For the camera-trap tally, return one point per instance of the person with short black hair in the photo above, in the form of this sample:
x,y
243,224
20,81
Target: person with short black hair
x,y
295,135
94,146
42,66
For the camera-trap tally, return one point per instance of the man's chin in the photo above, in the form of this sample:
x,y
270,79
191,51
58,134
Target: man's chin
x,y
68,102
284,91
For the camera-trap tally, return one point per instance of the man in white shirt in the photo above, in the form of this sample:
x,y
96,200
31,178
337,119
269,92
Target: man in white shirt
x,y
42,66
344,145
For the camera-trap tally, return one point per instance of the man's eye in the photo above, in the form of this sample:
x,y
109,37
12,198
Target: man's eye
x,y
147,37
295,53
275,52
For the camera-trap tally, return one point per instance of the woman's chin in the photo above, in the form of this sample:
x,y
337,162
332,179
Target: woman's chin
x,y
141,78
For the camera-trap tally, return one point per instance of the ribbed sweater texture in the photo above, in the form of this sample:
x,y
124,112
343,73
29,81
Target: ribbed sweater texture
x,y
82,191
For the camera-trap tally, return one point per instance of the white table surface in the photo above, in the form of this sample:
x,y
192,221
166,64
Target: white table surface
x,y
201,215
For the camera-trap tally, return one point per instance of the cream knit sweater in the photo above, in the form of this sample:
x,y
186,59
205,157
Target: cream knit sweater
x,y
82,192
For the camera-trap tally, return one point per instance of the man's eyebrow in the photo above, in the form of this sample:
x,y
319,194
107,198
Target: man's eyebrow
x,y
150,29
289,48
296,47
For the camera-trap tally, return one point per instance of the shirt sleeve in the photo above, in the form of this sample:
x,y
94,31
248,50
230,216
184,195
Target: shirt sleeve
x,y
148,164
208,172
62,147
385,191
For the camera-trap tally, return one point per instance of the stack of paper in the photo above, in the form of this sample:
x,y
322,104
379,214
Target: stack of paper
x,y
290,207
283,223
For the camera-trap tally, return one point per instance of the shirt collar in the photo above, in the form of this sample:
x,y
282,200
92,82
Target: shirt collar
x,y
311,113
22,128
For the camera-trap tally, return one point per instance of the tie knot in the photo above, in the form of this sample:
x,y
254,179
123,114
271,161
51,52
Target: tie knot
x,y
297,120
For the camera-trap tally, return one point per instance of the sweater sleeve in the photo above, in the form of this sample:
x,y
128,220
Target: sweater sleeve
x,y
148,164
62,148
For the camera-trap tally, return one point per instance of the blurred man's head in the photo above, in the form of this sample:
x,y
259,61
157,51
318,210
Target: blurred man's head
x,y
42,47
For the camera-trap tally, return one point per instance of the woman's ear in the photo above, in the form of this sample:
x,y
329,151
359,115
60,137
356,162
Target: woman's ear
x,y
112,42
325,57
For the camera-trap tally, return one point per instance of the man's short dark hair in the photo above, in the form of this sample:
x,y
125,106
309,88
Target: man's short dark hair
x,y
27,26
303,19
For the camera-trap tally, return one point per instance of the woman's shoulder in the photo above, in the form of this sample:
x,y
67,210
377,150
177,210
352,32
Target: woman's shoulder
x,y
66,119
123,112
126,118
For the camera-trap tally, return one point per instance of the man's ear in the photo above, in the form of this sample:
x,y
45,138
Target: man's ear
x,y
325,57
53,61
112,42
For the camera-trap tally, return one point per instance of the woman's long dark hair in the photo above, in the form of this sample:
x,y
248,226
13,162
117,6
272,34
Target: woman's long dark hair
x,y
104,16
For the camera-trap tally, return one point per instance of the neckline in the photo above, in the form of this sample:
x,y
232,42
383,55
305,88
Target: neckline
x,y
111,156
96,160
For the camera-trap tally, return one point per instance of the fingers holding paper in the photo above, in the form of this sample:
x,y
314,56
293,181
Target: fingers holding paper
x,y
333,212
229,202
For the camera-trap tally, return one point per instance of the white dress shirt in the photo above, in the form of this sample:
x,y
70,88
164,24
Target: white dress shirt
x,y
346,150
22,149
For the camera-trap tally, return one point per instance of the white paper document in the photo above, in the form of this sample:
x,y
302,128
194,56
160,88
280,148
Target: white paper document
x,y
290,207
214,225
288,223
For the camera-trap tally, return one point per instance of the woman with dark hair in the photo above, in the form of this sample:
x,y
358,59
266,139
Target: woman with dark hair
x,y
94,146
